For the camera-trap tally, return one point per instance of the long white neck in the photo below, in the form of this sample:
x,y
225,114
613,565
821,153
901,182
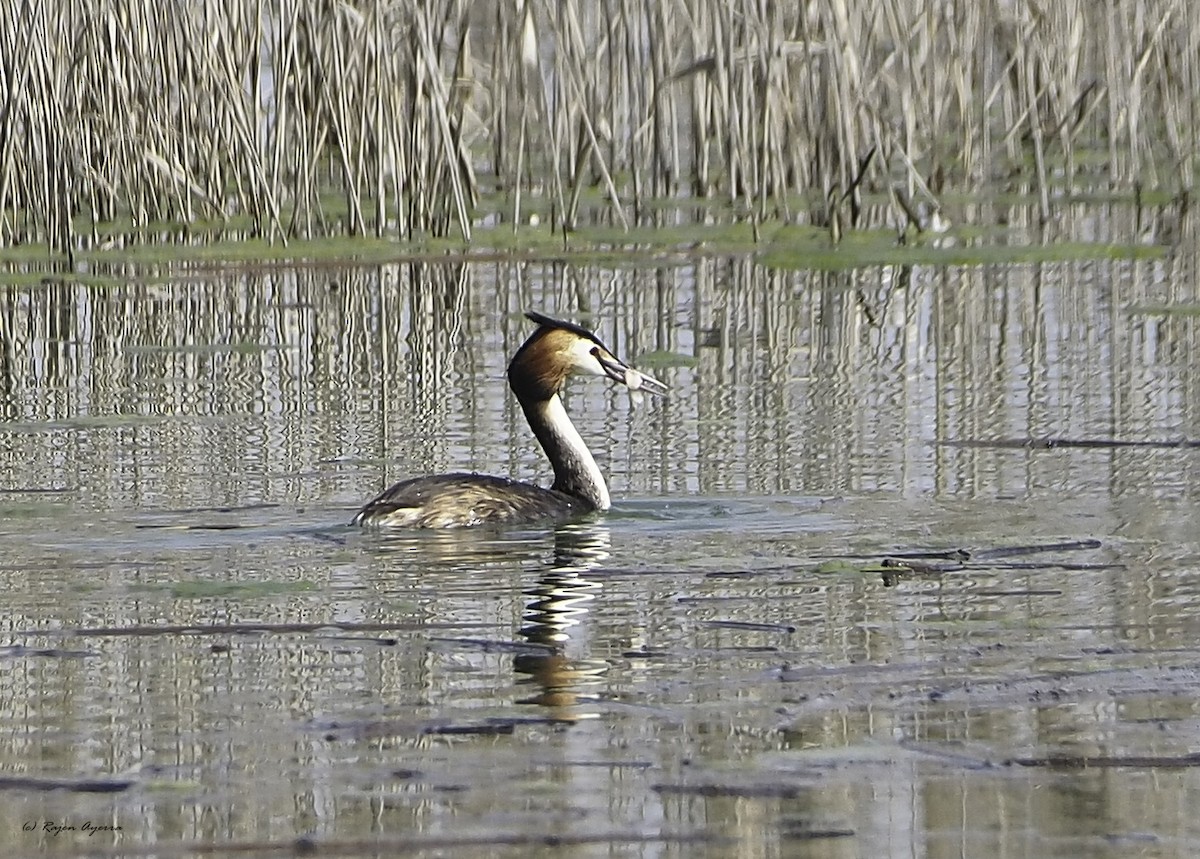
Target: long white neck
x,y
575,469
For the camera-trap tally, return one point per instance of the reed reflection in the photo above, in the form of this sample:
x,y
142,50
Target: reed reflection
x,y
558,605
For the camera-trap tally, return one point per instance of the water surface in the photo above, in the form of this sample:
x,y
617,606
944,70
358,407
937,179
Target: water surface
x,y
198,650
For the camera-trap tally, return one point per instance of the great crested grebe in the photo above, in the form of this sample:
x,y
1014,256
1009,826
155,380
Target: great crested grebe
x,y
537,375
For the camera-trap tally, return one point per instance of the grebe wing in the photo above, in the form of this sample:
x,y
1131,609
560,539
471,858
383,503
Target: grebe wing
x,y
464,500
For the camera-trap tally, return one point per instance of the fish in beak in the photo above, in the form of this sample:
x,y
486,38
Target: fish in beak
x,y
619,371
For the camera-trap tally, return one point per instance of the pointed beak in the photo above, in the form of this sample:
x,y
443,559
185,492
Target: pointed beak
x,y
635,380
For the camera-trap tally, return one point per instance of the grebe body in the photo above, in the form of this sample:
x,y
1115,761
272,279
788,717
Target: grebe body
x,y
537,374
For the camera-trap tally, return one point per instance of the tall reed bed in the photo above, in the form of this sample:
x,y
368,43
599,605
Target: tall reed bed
x,y
300,117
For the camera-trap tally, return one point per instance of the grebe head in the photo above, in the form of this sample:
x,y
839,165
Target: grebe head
x,y
560,349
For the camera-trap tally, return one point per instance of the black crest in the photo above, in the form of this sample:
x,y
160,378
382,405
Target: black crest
x,y
547,322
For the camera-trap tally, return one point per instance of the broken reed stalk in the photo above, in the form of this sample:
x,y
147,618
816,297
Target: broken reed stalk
x,y
161,119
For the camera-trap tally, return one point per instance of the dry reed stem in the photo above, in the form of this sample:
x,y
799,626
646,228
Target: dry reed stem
x,y
144,119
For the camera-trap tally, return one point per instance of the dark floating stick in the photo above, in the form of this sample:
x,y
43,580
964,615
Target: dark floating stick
x,y
803,833
361,639
71,785
611,765
1080,443
34,490
647,654
751,648
17,651
899,565
495,726
488,730
964,555
1049,592
744,791
1058,565
710,600
212,526
751,627
931,555
1012,551
1110,761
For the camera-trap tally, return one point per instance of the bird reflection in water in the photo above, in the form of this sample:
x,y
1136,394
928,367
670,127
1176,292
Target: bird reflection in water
x,y
553,618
